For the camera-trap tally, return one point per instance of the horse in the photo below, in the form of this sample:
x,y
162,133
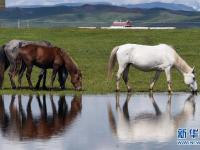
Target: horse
x,y
156,58
11,50
156,126
50,57
4,64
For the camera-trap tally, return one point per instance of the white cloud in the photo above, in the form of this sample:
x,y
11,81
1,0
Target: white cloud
x,y
192,3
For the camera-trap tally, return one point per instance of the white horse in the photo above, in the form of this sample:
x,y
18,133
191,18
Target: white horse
x,y
156,58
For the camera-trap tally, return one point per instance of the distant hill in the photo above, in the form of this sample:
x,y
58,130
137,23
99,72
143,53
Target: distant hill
x,y
63,4
171,6
98,15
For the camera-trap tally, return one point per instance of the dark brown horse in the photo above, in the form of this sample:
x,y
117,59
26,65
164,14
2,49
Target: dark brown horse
x,y
4,64
50,57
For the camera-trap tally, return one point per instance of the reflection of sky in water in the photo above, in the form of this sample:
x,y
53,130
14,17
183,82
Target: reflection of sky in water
x,y
91,128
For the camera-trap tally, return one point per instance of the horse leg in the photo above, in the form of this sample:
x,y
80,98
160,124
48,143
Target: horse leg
x,y
2,70
169,105
21,110
28,75
39,79
157,75
54,110
125,77
60,79
117,101
28,108
11,75
44,80
41,75
1,79
53,76
62,76
23,68
125,107
156,108
118,76
168,76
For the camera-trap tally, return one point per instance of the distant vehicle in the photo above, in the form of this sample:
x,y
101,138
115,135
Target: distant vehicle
x,y
122,24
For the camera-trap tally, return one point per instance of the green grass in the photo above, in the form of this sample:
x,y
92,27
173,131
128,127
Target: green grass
x,y
91,50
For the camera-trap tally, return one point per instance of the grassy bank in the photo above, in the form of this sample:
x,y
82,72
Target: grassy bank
x,y
91,50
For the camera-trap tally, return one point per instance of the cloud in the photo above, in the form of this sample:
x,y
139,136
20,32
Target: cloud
x,y
192,3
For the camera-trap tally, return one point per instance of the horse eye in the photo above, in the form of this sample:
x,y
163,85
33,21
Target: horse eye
x,y
194,78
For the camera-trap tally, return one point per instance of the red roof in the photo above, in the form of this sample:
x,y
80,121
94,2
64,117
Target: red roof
x,y
121,23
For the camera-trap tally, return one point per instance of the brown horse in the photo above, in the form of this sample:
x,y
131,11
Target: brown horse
x,y
5,63
50,57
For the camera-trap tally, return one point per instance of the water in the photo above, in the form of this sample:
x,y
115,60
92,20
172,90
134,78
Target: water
x,y
96,122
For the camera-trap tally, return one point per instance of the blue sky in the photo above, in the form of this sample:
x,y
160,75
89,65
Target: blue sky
x,y
192,3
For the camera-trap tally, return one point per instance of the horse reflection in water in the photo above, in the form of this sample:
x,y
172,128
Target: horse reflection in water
x,y
160,127
23,125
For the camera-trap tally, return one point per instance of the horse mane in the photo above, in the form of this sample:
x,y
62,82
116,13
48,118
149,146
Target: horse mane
x,y
181,64
65,55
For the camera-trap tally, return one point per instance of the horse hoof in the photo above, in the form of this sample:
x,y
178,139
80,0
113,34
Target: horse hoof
x,y
170,92
45,88
14,87
129,90
150,90
62,87
36,88
117,90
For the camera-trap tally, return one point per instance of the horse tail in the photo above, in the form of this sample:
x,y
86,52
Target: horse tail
x,y
112,61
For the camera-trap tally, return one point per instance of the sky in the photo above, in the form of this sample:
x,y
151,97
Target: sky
x,y
192,3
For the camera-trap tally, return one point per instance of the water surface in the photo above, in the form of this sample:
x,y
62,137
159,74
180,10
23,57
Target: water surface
x,y
96,122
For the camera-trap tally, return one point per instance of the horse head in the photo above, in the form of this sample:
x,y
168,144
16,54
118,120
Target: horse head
x,y
76,80
189,79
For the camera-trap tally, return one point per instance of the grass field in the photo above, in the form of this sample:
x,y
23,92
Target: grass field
x,y
91,50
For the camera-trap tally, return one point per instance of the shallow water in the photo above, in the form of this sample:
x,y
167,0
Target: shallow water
x,y
96,122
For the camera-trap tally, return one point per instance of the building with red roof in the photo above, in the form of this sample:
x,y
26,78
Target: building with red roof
x,y
122,24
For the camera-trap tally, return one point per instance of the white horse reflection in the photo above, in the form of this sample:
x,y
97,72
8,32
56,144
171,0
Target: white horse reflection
x,y
160,127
